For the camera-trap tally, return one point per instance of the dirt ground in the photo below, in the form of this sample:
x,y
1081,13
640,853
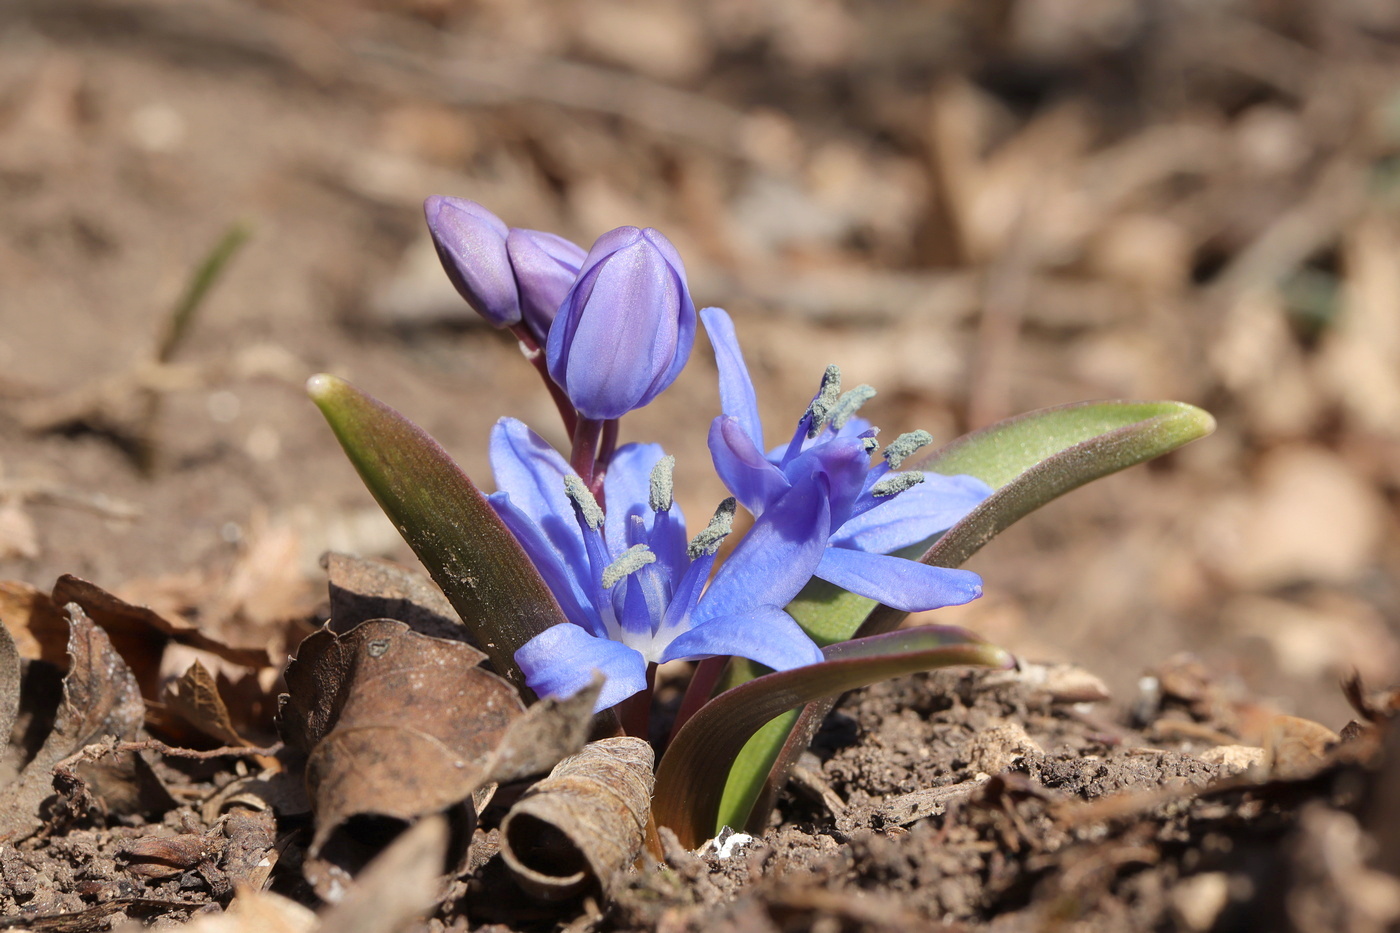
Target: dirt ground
x,y
979,208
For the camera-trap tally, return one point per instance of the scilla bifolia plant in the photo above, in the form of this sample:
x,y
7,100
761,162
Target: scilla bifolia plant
x,y
582,562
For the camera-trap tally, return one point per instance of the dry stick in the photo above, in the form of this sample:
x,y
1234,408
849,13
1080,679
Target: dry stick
x,y
99,750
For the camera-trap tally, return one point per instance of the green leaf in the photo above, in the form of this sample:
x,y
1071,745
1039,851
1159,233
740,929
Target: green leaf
x,y
449,524
1028,461
691,776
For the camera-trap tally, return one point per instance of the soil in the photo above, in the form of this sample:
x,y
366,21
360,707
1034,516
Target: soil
x,y
978,208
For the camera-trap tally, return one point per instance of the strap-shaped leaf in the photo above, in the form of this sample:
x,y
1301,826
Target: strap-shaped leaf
x,y
691,775
1039,456
1028,460
449,524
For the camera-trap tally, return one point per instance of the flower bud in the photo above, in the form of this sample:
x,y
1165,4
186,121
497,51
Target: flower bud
x,y
545,268
625,329
471,242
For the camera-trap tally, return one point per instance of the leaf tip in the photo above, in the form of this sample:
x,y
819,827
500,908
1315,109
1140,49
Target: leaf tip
x,y
322,386
1185,423
1202,420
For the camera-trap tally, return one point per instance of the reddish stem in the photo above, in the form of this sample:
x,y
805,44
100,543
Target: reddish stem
x,y
702,685
584,456
635,711
606,448
535,354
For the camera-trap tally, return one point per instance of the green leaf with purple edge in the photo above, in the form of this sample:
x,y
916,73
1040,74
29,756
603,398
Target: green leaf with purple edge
x,y
449,524
1028,460
691,777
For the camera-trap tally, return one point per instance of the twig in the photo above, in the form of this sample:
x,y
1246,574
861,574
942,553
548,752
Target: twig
x,y
100,750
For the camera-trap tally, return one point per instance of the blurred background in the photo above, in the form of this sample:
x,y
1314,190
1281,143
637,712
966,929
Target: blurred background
x,y
978,206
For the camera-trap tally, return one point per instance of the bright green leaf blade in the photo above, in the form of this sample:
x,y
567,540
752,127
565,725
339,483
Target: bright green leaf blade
x,y
754,765
1028,461
449,524
691,776
1036,457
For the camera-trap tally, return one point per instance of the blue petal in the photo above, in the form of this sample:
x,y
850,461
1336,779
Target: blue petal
x,y
686,595
625,328
645,601
667,539
736,395
686,321
532,473
562,579
914,515
471,243
545,267
765,634
856,427
560,662
627,491
844,461
777,557
742,467
894,581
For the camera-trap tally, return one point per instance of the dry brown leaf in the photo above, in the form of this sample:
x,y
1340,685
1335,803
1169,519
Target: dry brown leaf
x,y
1295,747
401,883
401,725
195,698
140,634
36,623
364,588
100,700
583,824
9,682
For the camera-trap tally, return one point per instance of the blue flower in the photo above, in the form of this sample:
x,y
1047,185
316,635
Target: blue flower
x,y
625,329
505,273
632,589
877,513
545,267
471,243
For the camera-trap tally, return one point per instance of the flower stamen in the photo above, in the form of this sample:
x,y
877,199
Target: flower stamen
x,y
904,445
708,541
628,562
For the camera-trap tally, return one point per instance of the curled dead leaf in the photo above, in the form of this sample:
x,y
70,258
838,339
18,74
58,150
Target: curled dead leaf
x,y
400,884
9,682
38,626
362,589
583,824
1296,747
402,725
100,700
140,634
194,697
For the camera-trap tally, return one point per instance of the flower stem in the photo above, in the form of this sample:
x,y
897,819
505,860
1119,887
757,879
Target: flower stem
x,y
635,711
584,456
532,351
606,449
702,685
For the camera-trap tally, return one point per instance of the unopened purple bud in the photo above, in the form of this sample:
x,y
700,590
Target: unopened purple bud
x,y
471,242
545,268
625,329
